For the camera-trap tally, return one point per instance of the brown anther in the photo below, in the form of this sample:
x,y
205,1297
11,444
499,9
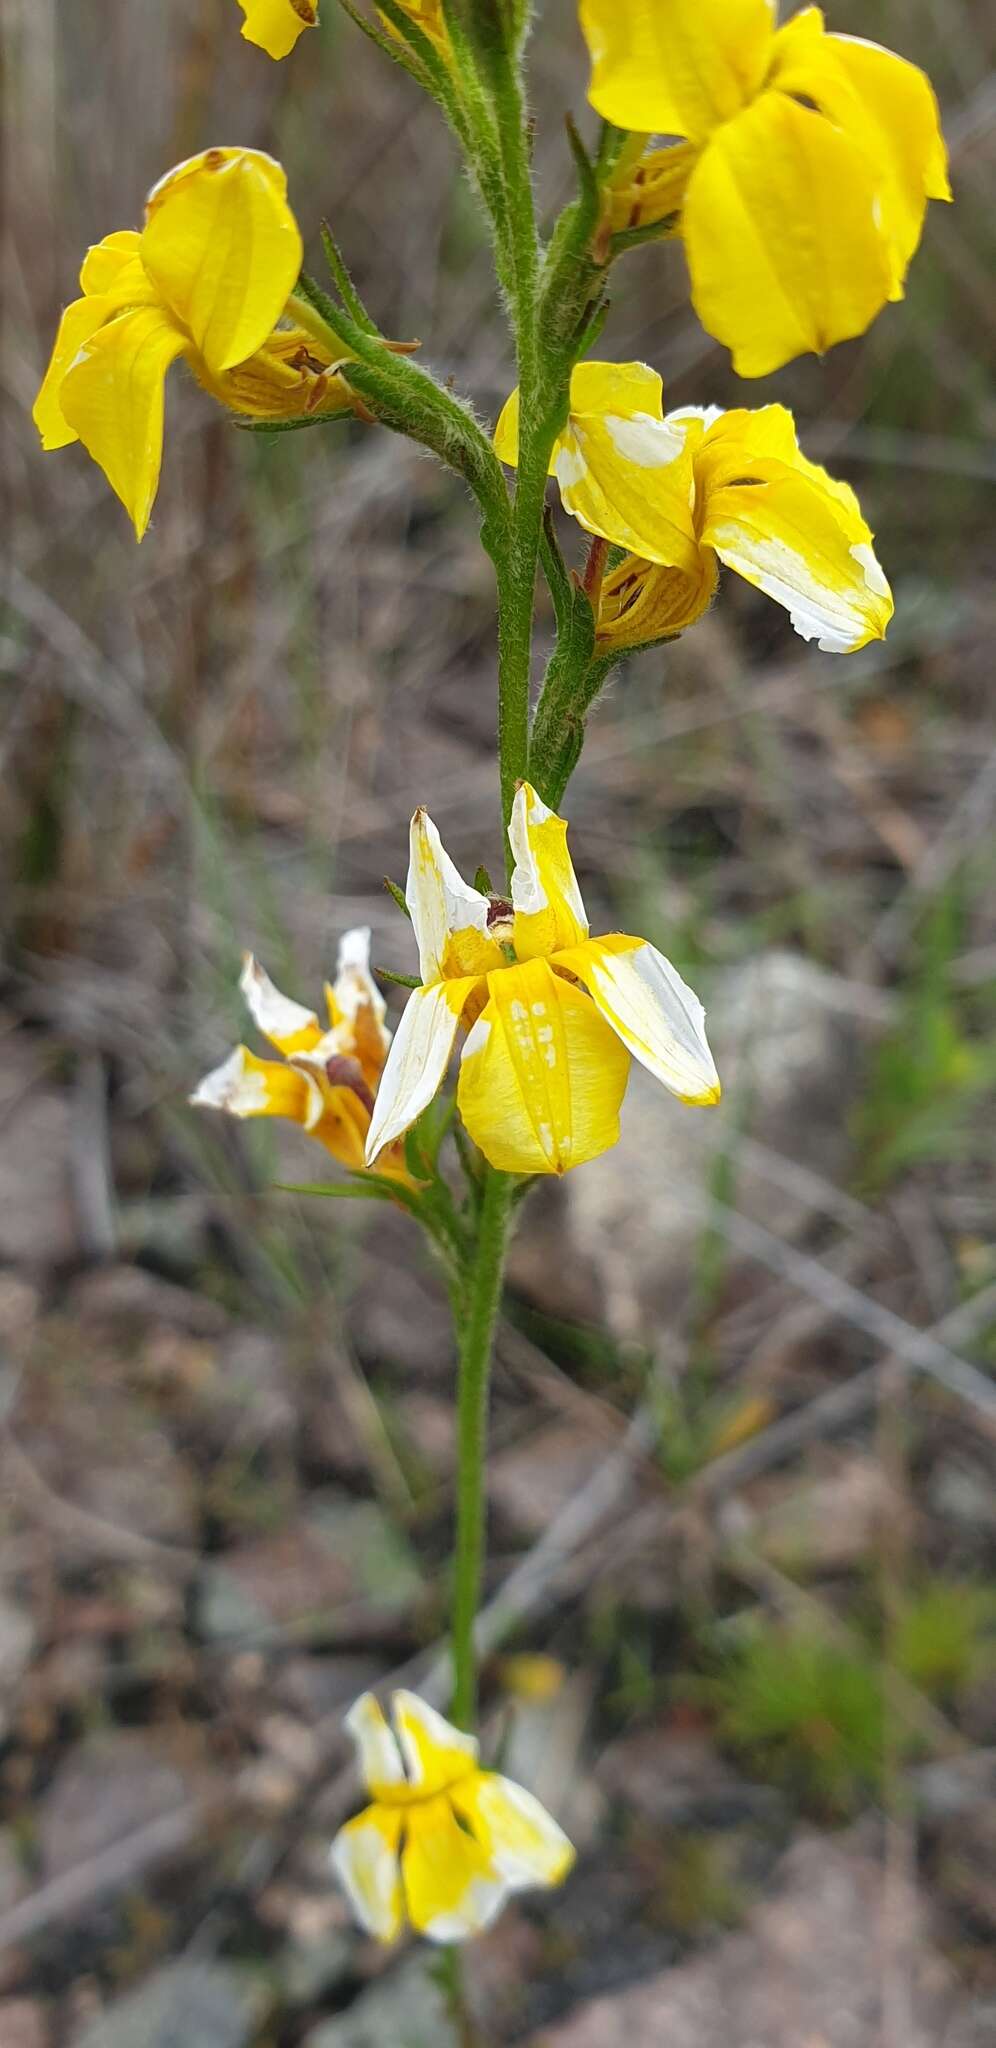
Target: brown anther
x,y
500,911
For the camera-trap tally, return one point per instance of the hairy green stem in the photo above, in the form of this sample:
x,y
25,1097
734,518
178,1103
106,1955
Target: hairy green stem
x,y
481,1298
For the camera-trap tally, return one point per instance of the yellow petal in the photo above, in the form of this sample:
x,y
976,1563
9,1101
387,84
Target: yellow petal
x,y
344,1119
365,1857
675,67
790,529
886,104
639,602
779,226
222,246
545,894
449,918
418,1059
245,1085
79,321
287,1025
629,391
436,1755
113,395
274,25
631,481
356,1007
451,1890
521,1840
379,1757
113,268
290,377
541,1078
656,1015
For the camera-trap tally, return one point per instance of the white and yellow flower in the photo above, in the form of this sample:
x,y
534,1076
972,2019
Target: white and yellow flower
x,y
803,171
443,1842
703,485
552,1015
327,1077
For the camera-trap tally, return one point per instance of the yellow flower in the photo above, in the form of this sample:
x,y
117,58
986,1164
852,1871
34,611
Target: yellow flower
x,y
679,492
443,1843
552,1014
326,1079
208,278
274,25
814,158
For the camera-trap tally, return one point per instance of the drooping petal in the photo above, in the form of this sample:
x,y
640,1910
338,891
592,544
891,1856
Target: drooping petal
x,y
631,482
541,1077
886,104
656,1015
791,529
79,322
378,1755
223,248
113,397
289,377
451,1888
274,25
675,67
522,1841
365,1858
436,1755
287,1025
418,1059
545,894
639,602
784,251
245,1085
450,919
346,1105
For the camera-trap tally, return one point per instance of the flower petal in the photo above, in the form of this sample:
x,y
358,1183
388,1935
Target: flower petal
x,y
451,1889
223,248
113,396
675,67
365,1858
247,1086
450,919
356,1007
436,1754
522,1841
629,391
657,1016
792,530
418,1059
114,269
541,1077
274,25
287,1025
631,480
779,226
379,1757
886,104
79,322
545,894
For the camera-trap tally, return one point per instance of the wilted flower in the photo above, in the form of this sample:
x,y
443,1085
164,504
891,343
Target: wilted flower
x,y
552,1015
807,161
443,1843
208,278
326,1079
679,492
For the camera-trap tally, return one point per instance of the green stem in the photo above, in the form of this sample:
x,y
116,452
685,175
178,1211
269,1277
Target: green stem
x,y
480,1308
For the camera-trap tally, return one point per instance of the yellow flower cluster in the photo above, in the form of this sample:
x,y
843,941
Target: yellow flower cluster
x,y
803,172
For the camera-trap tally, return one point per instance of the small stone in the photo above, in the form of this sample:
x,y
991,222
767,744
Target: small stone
x,y
108,1785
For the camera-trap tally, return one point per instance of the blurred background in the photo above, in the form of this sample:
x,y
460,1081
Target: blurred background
x,y
742,1505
